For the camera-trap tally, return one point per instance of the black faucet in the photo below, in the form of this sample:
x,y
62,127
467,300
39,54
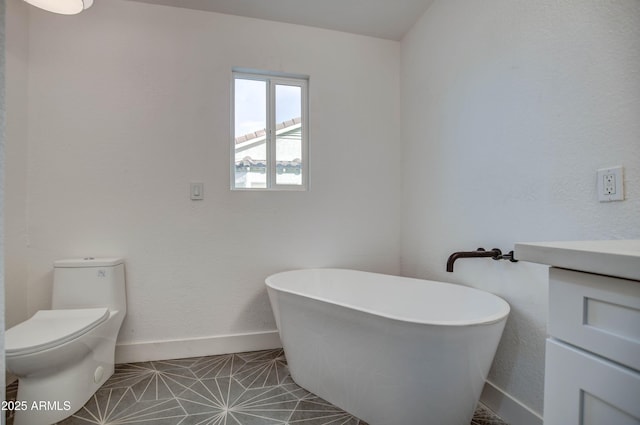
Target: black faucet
x,y
495,254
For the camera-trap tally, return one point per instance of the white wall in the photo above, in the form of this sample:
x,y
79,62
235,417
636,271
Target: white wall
x,y
129,102
15,167
509,107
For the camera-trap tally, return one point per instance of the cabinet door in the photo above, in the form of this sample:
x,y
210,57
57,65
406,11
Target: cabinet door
x,y
598,313
584,389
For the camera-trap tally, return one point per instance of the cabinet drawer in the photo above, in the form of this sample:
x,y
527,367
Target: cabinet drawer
x,y
584,389
598,313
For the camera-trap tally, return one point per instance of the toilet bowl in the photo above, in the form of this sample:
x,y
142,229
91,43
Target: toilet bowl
x,y
63,355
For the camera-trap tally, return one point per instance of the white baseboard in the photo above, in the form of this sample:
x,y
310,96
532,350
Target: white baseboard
x,y
196,347
507,407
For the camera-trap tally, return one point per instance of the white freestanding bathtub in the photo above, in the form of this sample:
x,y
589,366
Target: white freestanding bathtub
x,y
387,349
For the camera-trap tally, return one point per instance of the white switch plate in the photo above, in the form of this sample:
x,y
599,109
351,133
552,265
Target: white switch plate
x,y
610,184
197,191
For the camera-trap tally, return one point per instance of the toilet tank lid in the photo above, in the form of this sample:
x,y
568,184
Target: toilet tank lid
x,y
89,262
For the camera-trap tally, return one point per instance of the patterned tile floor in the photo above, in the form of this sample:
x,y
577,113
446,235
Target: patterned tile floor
x,y
252,388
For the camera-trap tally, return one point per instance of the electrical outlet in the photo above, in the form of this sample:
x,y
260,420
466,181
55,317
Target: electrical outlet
x,y
610,184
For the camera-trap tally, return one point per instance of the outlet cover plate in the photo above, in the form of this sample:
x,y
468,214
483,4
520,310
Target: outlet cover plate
x,y
610,184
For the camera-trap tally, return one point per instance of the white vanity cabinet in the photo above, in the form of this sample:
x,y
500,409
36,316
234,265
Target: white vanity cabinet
x,y
592,372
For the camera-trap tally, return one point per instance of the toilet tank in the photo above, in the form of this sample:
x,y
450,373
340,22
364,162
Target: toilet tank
x,y
89,283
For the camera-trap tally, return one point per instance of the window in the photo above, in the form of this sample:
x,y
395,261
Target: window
x,y
269,143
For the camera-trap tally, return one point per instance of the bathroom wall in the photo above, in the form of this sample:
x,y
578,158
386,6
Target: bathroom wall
x,y
509,107
15,167
129,102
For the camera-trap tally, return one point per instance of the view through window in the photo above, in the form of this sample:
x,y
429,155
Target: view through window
x,y
270,132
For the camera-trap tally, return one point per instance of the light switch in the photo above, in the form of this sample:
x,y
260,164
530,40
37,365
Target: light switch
x,y
197,191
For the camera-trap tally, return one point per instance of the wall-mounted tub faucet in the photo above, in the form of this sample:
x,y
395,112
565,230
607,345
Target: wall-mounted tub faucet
x,y
495,254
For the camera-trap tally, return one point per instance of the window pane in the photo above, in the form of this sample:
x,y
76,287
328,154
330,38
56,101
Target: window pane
x,y
250,134
288,135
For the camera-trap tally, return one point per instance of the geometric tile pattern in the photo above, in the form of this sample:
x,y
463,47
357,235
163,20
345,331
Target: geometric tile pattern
x,y
484,416
252,388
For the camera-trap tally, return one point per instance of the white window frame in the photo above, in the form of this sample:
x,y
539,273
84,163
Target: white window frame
x,y
273,79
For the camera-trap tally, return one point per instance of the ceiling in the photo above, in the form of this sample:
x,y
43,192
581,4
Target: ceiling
x,y
389,19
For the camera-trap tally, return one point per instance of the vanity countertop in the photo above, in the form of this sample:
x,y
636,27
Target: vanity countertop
x,y
620,258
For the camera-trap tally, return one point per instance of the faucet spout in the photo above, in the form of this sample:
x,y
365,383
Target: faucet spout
x,y
495,253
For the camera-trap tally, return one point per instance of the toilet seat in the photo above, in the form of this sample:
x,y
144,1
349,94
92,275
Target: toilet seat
x,y
50,328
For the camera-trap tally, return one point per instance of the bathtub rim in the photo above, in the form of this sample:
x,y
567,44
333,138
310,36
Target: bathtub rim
x,y
502,315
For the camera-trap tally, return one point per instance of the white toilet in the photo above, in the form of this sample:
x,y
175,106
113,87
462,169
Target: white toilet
x,y
62,356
